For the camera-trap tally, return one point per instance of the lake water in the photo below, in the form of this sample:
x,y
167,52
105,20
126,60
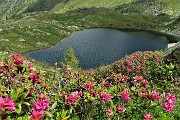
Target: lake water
x,y
100,46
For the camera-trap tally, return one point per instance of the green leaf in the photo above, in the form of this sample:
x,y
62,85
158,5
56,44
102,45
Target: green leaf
x,y
19,109
54,105
26,103
48,114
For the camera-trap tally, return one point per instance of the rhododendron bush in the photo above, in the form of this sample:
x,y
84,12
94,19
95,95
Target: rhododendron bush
x,y
139,86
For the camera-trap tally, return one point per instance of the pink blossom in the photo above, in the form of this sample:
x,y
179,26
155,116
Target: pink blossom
x,y
155,95
17,60
105,96
170,98
41,103
120,78
7,104
119,109
89,85
125,95
168,106
140,78
35,78
109,111
148,116
146,82
73,98
37,115
106,83
138,67
157,58
144,95
128,63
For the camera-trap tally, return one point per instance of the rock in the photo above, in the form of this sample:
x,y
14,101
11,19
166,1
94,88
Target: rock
x,y
172,55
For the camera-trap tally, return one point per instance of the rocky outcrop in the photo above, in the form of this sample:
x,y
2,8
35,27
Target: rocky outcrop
x,y
172,55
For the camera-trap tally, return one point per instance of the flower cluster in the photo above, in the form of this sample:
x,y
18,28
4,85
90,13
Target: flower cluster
x,y
105,97
125,95
73,98
40,107
148,116
168,105
6,104
17,60
155,95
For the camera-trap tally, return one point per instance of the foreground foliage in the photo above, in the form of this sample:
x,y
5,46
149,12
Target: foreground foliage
x,y
139,86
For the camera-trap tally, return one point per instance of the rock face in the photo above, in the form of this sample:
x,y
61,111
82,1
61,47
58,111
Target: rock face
x,y
172,55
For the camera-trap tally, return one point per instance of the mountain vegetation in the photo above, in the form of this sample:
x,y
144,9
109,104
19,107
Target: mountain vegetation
x,y
143,85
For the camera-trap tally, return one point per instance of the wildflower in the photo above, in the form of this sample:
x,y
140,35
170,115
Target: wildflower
x,y
73,98
128,63
143,90
109,111
170,98
17,60
35,78
125,95
138,67
119,109
139,78
105,97
120,78
146,82
37,115
169,104
106,83
144,95
157,58
6,104
41,104
89,85
155,95
148,116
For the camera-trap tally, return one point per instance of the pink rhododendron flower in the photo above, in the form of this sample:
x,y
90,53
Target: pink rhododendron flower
x,y
155,95
35,78
6,104
109,111
146,82
120,78
107,84
148,116
170,98
138,67
168,106
17,60
89,85
119,109
37,115
73,98
41,103
140,78
128,63
125,95
105,96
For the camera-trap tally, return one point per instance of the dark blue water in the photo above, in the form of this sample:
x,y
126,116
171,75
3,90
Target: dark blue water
x,y
95,47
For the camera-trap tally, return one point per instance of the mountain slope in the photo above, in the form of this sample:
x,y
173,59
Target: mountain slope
x,y
74,4
11,8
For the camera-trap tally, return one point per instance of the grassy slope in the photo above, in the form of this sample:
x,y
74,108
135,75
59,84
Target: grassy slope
x,y
172,6
74,4
11,8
